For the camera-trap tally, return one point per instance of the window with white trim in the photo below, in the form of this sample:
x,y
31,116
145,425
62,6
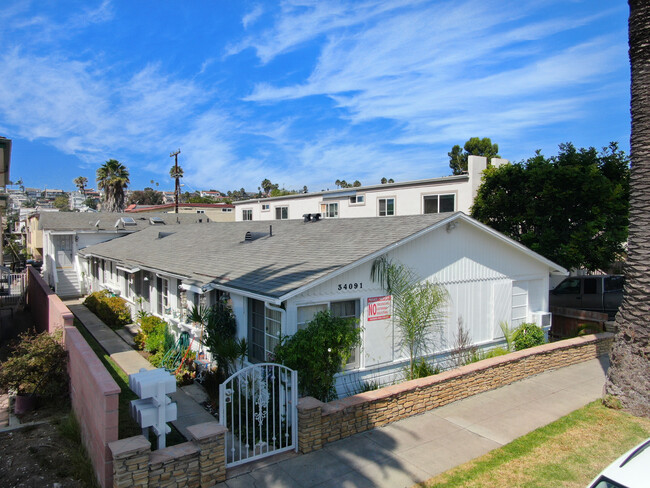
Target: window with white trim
x,y
439,203
329,210
386,206
344,309
264,327
247,214
281,213
266,207
162,288
306,313
357,199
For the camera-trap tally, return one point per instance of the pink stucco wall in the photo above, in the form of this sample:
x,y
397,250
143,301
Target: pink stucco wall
x,y
93,392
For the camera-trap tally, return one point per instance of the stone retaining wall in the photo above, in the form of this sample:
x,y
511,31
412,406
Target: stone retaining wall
x,y
198,463
321,423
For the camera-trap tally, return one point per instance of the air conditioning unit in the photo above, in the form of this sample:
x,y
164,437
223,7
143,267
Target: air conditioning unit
x,y
542,319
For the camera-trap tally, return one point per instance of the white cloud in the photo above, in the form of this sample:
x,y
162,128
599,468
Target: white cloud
x,y
439,72
252,16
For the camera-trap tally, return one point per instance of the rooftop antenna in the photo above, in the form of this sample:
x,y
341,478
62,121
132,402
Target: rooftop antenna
x,y
177,177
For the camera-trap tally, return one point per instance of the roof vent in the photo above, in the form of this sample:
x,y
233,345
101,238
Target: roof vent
x,y
315,217
306,217
251,236
164,234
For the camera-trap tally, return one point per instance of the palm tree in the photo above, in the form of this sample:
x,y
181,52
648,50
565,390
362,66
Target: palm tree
x,y
113,178
418,309
80,183
628,377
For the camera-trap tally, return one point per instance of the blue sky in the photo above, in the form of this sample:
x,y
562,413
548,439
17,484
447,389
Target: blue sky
x,y
303,92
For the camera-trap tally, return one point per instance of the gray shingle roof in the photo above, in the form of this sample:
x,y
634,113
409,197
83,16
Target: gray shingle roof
x,y
295,255
63,221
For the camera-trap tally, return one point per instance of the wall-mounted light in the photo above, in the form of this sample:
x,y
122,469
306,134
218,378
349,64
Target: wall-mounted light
x,y
451,226
76,238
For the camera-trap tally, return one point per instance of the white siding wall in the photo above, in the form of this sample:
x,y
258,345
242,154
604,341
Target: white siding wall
x,y
488,282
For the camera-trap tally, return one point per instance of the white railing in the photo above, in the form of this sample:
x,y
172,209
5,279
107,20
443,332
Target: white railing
x,y
12,288
259,406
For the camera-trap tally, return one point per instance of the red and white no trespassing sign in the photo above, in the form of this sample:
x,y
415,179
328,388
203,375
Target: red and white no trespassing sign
x,y
379,308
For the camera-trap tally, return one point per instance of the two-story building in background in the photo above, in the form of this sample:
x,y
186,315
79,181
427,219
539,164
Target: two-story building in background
x,y
429,196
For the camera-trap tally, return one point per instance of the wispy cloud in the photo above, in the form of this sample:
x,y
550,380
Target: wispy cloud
x,y
441,83
252,16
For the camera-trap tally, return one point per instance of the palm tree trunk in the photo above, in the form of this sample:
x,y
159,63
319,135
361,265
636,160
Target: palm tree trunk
x,y
628,377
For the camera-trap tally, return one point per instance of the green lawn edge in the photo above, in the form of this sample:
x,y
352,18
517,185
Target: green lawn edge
x,y
634,432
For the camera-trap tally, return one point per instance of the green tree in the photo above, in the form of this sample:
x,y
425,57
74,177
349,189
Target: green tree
x,y
90,203
266,185
417,308
198,199
571,208
628,377
356,184
475,146
384,180
80,182
113,178
62,202
148,196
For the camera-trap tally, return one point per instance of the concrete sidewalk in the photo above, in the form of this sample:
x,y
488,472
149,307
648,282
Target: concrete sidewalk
x,y
414,449
189,412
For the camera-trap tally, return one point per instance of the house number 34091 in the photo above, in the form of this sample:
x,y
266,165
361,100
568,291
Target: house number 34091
x,y
350,286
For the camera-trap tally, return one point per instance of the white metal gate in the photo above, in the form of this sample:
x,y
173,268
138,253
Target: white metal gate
x,y
259,406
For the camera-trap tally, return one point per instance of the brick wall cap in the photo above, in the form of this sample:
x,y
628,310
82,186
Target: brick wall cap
x,y
129,445
308,403
206,430
162,456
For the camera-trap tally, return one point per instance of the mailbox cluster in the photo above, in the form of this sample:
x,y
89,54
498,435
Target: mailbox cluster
x,y
154,408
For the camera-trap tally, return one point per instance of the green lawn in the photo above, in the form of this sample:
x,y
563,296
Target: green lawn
x,y
567,453
127,427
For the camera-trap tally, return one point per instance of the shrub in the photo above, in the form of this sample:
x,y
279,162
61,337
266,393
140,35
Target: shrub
x,y
155,335
527,335
497,351
220,337
111,310
38,364
318,352
421,369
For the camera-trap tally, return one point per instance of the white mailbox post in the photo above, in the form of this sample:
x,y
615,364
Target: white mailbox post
x,y
154,408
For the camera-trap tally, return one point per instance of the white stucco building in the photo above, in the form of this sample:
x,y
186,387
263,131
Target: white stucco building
x,y
434,195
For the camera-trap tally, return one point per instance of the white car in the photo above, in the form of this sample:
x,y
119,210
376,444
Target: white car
x,y
631,470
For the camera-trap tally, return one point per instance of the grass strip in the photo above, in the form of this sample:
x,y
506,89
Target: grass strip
x,y
568,452
127,427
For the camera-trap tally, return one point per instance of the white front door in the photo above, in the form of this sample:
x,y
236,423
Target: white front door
x,y
64,250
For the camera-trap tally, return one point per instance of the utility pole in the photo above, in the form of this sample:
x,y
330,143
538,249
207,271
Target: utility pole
x,y
177,190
